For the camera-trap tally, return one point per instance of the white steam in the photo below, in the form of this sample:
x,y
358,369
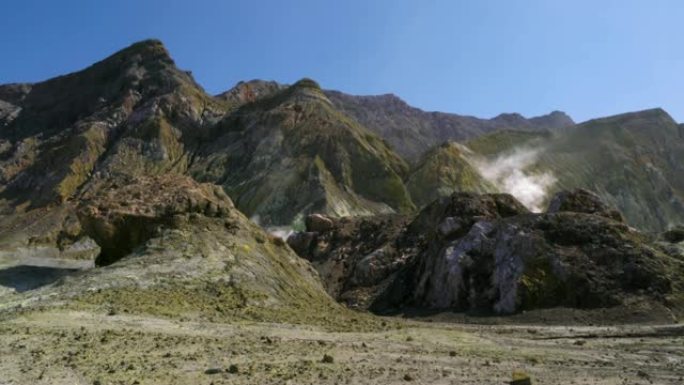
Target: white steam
x,y
508,172
282,232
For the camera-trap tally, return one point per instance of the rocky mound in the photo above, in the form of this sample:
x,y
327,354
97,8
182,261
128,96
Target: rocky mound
x,y
583,201
489,254
124,214
177,248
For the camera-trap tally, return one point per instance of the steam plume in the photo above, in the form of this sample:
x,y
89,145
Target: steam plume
x,y
509,173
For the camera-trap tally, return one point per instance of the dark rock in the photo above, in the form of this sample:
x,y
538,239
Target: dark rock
x,y
212,371
356,257
327,359
301,242
318,223
674,235
582,201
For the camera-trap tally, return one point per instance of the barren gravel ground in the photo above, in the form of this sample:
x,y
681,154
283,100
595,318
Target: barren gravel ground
x,y
74,347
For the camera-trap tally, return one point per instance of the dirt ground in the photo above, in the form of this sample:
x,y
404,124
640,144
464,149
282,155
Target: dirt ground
x,y
59,346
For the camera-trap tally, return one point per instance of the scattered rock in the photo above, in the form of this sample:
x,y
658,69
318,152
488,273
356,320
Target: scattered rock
x,y
212,371
642,374
327,359
232,369
520,378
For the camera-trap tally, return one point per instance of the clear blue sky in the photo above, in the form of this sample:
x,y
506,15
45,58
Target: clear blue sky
x,y
589,58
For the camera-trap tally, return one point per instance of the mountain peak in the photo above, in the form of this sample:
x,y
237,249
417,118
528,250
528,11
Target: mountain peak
x,y
307,83
555,119
151,48
307,89
653,115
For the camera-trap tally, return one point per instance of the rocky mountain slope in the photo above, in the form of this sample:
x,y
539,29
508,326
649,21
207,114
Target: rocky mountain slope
x,y
280,152
291,153
631,160
96,164
412,132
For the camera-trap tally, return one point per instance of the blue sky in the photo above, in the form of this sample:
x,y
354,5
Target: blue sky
x,y
478,57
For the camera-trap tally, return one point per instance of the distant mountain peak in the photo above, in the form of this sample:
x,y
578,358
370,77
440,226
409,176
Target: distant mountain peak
x,y
653,114
307,83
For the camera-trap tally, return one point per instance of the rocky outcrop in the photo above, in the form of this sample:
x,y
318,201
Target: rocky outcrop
x,y
250,91
177,248
356,257
487,253
124,214
575,256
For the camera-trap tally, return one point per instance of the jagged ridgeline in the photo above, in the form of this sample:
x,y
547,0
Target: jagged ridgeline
x,y
279,153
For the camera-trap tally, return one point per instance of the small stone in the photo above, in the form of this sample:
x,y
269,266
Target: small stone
x,y
212,371
642,374
327,359
233,369
408,377
452,353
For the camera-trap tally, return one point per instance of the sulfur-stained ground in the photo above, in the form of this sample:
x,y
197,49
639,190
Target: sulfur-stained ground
x,y
60,346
